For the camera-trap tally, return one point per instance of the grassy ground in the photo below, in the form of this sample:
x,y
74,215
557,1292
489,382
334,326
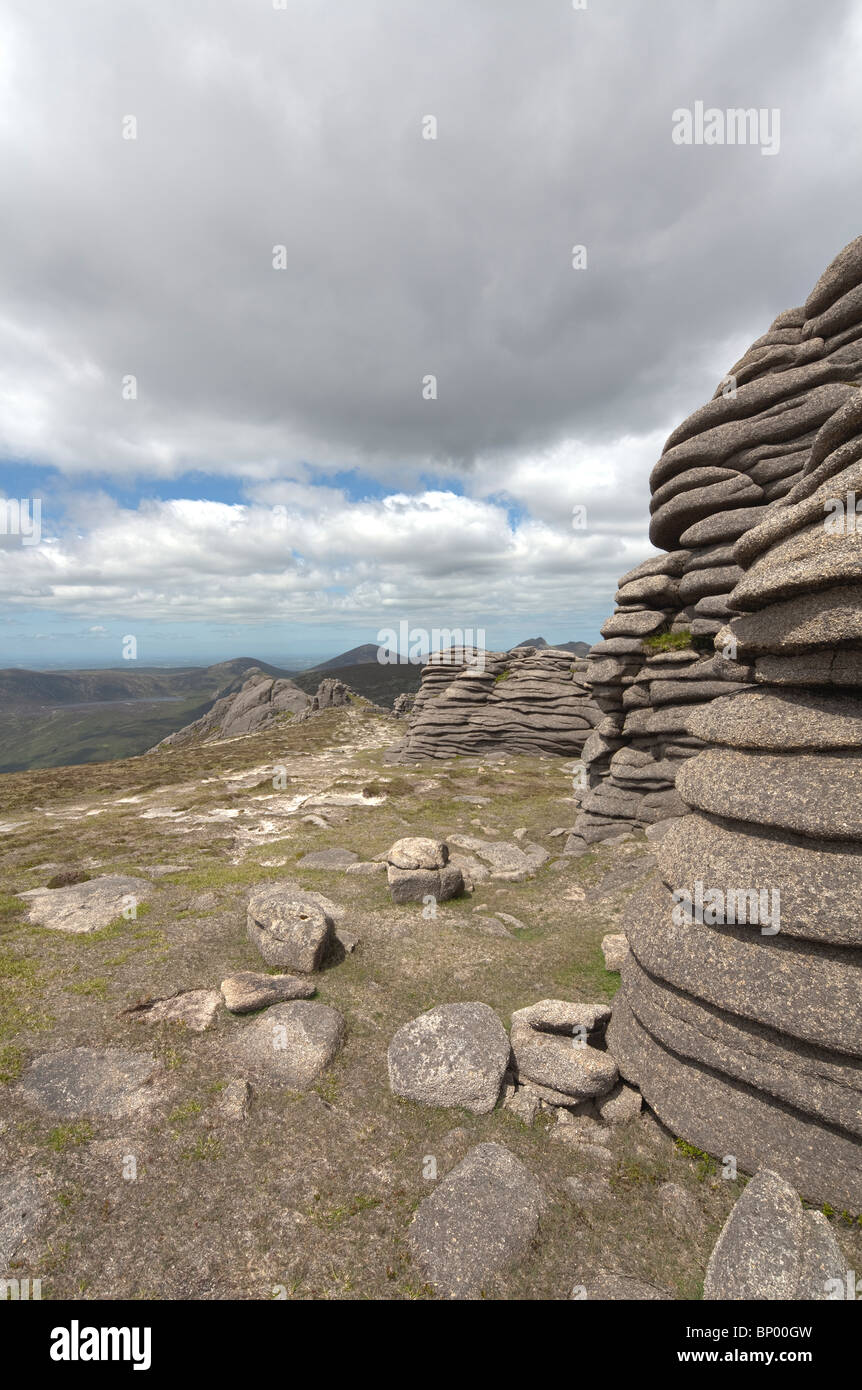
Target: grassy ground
x,y
313,1195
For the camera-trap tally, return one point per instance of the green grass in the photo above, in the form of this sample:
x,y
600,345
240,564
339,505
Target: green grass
x,y
64,1137
668,641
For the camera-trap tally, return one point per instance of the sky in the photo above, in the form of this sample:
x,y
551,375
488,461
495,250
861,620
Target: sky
x,y
295,344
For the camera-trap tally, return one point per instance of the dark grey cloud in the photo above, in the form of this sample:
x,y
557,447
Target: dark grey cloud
x,y
302,127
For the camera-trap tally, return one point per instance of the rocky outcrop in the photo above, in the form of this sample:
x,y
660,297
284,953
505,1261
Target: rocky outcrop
x,y
739,1015
724,471
260,701
528,700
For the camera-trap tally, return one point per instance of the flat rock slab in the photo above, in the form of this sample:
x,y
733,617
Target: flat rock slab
x,y
808,794
85,907
456,1054
194,1009
328,859
291,1044
87,1080
506,859
22,1202
248,991
771,1248
482,1217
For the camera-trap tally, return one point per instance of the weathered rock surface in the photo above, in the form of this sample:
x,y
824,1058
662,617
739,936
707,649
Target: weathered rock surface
x,y
84,1080
772,1248
740,511
87,906
744,1032
194,1009
558,1045
456,1054
528,700
482,1217
290,929
248,991
291,1044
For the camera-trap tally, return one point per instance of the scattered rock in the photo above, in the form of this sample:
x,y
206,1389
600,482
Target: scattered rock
x,y
84,1080
86,906
290,930
249,991
456,1054
235,1101
291,1044
194,1009
481,1218
328,859
771,1248
555,1042
615,948
620,1105
588,1192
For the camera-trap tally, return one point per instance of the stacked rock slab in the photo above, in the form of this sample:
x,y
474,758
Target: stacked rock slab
x,y
730,464
747,1038
528,700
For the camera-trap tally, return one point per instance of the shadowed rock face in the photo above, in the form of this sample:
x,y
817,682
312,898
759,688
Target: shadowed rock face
x,y
748,1040
720,494
528,700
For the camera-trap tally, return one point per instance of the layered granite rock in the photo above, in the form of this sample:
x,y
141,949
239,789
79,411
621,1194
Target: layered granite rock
x,y
726,471
739,1016
528,700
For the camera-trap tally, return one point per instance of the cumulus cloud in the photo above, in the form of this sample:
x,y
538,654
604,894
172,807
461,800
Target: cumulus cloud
x,y
145,332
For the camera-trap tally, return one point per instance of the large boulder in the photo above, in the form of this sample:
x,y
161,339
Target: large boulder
x,y
456,1054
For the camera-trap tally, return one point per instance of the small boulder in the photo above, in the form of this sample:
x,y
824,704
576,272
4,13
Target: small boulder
x,y
418,852
621,1105
455,1054
414,885
235,1101
290,930
554,1043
